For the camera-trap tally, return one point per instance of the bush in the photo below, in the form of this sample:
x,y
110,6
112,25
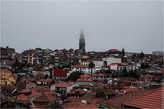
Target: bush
x,y
127,74
74,76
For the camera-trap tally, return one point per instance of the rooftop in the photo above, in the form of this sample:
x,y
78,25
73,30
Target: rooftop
x,y
63,84
150,100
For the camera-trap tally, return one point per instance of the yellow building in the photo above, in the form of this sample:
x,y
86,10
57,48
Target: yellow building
x,y
6,77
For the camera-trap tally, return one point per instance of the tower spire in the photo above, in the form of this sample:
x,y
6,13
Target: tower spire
x,y
82,34
82,42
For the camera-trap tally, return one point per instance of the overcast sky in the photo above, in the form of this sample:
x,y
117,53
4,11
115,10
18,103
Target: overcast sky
x,y
107,24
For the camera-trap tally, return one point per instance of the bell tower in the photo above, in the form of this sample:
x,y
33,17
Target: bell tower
x,y
82,42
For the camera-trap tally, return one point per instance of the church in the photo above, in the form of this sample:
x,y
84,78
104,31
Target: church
x,y
82,43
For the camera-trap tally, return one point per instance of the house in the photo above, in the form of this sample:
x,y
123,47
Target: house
x,y
40,89
109,93
83,68
81,103
31,57
85,60
112,59
6,77
35,98
139,84
44,82
122,66
85,80
22,99
78,92
80,68
113,66
127,66
45,100
46,73
98,76
63,88
38,75
59,74
7,57
30,85
98,63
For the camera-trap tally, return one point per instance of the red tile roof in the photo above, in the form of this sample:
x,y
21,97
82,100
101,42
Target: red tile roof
x,y
45,80
60,73
75,103
51,93
45,98
113,64
38,73
117,101
39,106
78,91
150,100
40,89
22,98
87,80
98,75
34,93
113,50
84,76
25,91
63,84
99,84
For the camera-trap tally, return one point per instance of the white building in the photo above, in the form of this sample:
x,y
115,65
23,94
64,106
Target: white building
x,y
63,88
82,68
111,60
98,64
122,66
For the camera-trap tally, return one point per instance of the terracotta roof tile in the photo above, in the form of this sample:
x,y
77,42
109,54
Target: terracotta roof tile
x,y
117,101
25,91
84,76
87,80
98,75
22,98
150,100
45,98
63,84
75,103
34,93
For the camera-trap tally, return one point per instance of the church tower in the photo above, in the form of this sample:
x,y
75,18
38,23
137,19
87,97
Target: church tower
x,y
82,43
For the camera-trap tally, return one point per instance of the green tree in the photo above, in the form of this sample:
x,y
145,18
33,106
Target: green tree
x,y
51,71
17,67
105,64
91,66
74,76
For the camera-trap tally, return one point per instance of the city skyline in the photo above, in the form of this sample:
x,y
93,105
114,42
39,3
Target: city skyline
x,y
81,54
